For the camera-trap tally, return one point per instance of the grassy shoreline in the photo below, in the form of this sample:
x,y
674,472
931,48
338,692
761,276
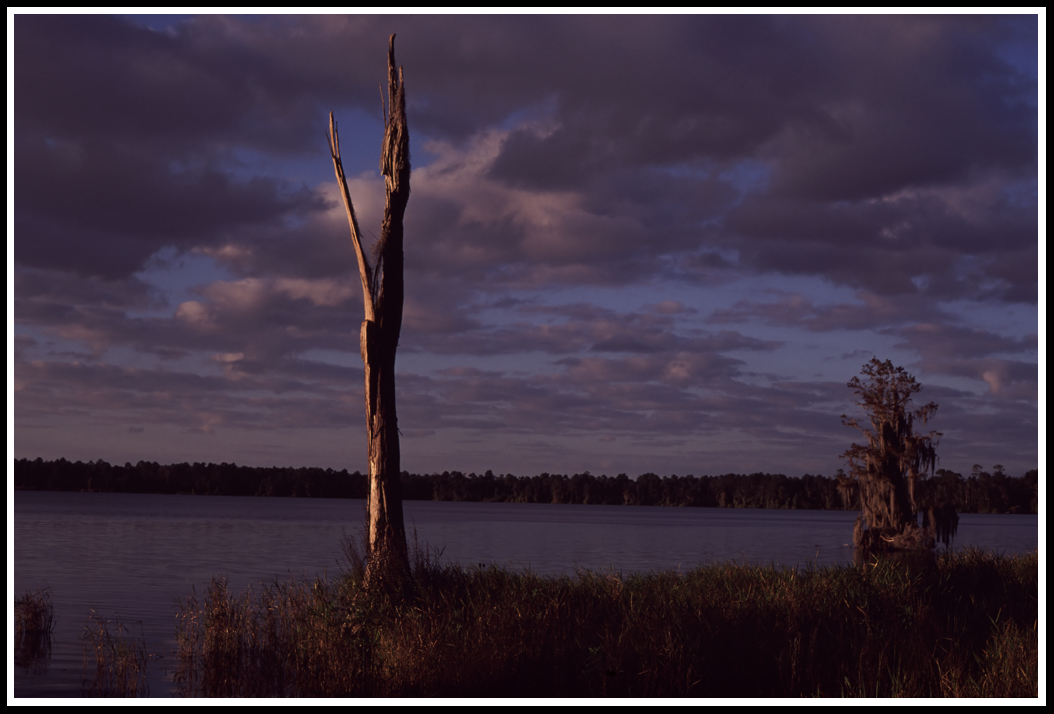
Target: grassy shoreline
x,y
949,625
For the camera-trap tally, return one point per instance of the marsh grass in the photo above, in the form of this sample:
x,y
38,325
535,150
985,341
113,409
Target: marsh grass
x,y
297,638
950,625
34,623
118,658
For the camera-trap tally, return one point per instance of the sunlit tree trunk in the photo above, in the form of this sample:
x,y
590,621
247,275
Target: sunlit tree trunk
x,y
382,292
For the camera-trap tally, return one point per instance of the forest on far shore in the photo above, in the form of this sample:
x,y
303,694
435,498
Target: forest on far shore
x,y
980,492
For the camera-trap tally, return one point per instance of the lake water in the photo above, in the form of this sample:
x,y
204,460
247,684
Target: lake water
x,y
132,554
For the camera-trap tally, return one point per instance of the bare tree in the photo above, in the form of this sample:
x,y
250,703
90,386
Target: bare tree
x,y
382,297
885,472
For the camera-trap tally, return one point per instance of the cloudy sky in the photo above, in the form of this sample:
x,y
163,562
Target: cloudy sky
x,y
632,243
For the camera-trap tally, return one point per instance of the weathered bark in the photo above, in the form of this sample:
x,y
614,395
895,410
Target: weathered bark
x,y
382,293
885,472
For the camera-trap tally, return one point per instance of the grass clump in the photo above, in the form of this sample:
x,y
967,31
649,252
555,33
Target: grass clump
x,y
34,623
119,658
950,625
292,639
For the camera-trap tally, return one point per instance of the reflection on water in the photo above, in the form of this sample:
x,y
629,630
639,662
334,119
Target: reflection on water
x,y
132,554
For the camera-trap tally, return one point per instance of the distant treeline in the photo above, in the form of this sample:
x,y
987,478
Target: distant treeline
x,y
981,492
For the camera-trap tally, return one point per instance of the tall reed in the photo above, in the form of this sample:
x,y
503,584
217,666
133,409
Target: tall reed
x,y
951,625
34,623
116,656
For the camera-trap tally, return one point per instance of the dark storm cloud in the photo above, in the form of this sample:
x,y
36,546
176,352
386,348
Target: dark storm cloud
x,y
262,319
920,101
972,353
621,372
1006,379
946,342
634,400
871,312
194,402
555,404
48,296
887,245
942,348
104,213
894,155
139,128
564,329
121,135
686,88
214,80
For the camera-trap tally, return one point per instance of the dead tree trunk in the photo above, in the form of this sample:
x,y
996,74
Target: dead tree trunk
x,y
382,296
